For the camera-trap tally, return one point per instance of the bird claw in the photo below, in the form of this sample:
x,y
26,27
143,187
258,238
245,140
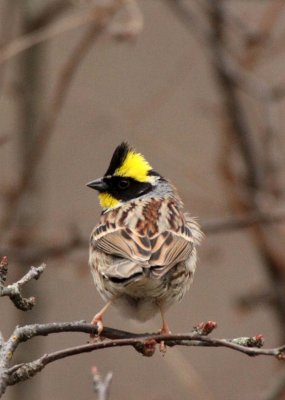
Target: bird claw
x,y
162,347
164,331
97,321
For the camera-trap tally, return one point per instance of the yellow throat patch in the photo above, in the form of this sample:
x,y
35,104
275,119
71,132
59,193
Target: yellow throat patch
x,y
108,201
134,166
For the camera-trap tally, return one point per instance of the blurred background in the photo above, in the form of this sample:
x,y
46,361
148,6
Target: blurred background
x,y
196,86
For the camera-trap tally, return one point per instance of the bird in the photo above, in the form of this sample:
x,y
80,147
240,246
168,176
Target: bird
x,y
143,251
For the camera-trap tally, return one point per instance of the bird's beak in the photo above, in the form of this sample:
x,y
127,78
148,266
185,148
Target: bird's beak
x,y
98,184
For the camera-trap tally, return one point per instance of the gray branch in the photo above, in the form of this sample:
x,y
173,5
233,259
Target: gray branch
x,y
13,291
101,386
144,343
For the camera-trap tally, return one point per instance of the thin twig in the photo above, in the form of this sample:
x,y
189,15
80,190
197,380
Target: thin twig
x,y
1,341
13,291
101,386
188,18
261,43
48,13
3,271
256,298
30,254
250,193
257,182
8,14
223,225
276,390
237,118
101,16
44,34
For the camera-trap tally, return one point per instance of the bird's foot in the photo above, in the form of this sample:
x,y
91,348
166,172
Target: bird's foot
x,y
97,321
164,331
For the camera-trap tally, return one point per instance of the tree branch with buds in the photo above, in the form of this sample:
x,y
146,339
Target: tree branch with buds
x,y
144,343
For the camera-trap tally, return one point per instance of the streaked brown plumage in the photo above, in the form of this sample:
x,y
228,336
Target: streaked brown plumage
x,y
143,251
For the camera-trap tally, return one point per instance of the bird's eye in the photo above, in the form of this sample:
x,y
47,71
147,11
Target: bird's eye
x,y
123,184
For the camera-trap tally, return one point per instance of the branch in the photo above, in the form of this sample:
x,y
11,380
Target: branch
x,y
98,19
144,343
277,388
76,240
256,298
244,345
252,189
48,13
3,270
101,386
45,33
236,223
188,18
52,250
265,30
13,291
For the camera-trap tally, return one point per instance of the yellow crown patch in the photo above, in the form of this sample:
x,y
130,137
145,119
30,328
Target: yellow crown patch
x,y
134,166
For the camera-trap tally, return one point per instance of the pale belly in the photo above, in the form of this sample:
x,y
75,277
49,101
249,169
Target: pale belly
x,y
143,298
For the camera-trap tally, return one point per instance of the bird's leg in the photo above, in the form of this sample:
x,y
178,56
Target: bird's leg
x,y
164,329
98,319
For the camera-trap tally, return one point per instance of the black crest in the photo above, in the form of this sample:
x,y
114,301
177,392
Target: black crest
x,y
118,157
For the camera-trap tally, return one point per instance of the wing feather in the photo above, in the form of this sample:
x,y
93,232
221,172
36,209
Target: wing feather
x,y
158,251
124,243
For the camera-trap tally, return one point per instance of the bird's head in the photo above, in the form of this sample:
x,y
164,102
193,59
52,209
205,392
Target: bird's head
x,y
128,176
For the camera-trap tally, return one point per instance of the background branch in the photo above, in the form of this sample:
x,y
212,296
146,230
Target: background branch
x,y
76,240
101,386
13,291
241,222
100,16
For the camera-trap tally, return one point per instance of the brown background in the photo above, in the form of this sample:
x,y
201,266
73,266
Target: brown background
x,y
158,93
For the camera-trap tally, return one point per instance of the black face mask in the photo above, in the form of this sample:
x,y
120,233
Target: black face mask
x,y
125,189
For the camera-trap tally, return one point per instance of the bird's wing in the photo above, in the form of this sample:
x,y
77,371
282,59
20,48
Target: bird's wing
x,y
170,248
122,242
126,253
159,252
